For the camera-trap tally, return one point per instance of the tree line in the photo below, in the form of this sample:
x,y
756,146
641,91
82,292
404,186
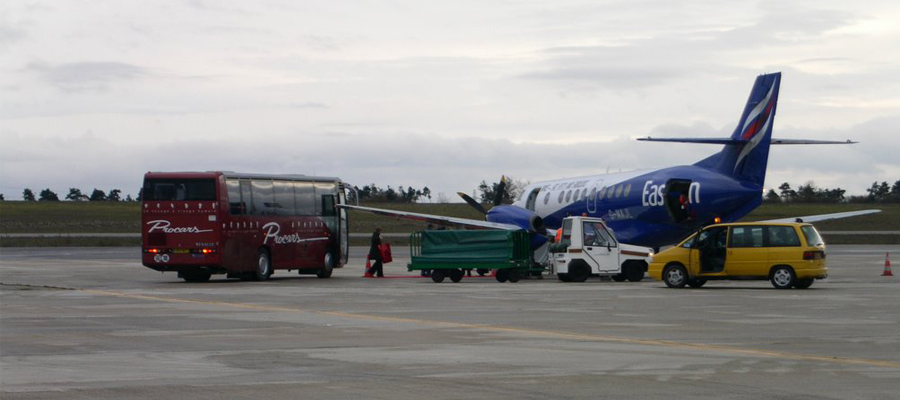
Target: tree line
x,y
373,193
809,193
75,194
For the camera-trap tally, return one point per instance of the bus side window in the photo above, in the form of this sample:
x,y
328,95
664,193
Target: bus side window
x,y
284,198
233,187
246,197
328,205
263,197
305,197
323,189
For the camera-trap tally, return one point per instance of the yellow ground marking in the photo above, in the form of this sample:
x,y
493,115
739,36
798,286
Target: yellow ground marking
x,y
518,330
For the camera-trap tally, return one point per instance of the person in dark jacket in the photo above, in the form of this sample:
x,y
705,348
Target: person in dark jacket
x,y
375,254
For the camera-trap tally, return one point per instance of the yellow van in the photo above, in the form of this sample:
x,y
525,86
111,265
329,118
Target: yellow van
x,y
787,254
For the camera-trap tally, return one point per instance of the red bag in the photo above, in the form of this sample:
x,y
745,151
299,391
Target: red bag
x,y
385,250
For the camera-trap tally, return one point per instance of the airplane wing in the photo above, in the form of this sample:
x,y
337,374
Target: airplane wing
x,y
735,141
434,219
823,217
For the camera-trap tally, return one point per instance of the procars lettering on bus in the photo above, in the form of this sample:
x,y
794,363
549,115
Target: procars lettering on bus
x,y
162,225
273,228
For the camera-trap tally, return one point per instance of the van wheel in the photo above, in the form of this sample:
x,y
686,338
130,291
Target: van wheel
x,y
579,271
196,276
695,283
804,283
327,266
263,265
675,276
563,277
783,277
437,276
456,275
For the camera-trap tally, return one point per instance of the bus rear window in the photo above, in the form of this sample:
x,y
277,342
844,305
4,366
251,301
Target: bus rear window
x,y
179,190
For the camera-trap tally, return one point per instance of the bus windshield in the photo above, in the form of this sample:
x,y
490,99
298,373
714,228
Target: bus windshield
x,y
179,190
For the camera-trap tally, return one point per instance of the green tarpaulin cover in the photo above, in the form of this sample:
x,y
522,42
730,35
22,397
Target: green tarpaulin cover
x,y
481,245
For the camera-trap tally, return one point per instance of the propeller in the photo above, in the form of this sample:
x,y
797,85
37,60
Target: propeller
x,y
476,205
498,196
501,190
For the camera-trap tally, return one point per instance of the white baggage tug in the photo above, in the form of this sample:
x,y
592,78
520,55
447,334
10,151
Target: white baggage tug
x,y
588,247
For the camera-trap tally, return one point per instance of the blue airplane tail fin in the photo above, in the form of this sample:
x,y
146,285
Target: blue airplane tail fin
x,y
746,152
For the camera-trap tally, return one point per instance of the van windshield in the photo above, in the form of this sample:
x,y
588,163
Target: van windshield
x,y
179,190
811,235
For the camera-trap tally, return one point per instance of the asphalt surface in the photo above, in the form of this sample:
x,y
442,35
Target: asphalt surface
x,y
93,323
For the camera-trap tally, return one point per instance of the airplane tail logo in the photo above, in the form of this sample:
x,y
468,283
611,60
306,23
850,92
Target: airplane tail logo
x,y
747,154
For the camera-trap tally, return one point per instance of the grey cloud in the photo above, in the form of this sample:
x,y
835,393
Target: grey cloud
x,y
309,104
11,34
87,76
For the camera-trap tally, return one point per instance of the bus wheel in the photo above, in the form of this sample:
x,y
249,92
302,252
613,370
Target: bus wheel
x,y
263,265
196,276
456,275
437,276
327,266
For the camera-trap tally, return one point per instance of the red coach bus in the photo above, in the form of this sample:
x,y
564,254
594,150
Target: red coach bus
x,y
244,225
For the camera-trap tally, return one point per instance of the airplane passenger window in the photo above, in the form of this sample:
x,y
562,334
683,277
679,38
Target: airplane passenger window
x,y
547,199
568,195
593,192
601,193
561,194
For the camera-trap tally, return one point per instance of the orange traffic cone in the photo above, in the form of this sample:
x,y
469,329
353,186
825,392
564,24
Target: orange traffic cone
x,y
368,274
887,265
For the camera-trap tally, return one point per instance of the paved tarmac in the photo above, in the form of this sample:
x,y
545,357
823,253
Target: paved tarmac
x,y
93,323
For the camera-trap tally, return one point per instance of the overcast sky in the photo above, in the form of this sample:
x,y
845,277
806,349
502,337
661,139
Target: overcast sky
x,y
439,94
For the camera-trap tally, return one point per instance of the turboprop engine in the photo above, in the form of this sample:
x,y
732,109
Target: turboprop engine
x,y
518,216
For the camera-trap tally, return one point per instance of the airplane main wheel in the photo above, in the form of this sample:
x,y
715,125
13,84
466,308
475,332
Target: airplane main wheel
x,y
456,275
437,276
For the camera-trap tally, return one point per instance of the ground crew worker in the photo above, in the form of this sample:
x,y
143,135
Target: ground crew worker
x,y
375,254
